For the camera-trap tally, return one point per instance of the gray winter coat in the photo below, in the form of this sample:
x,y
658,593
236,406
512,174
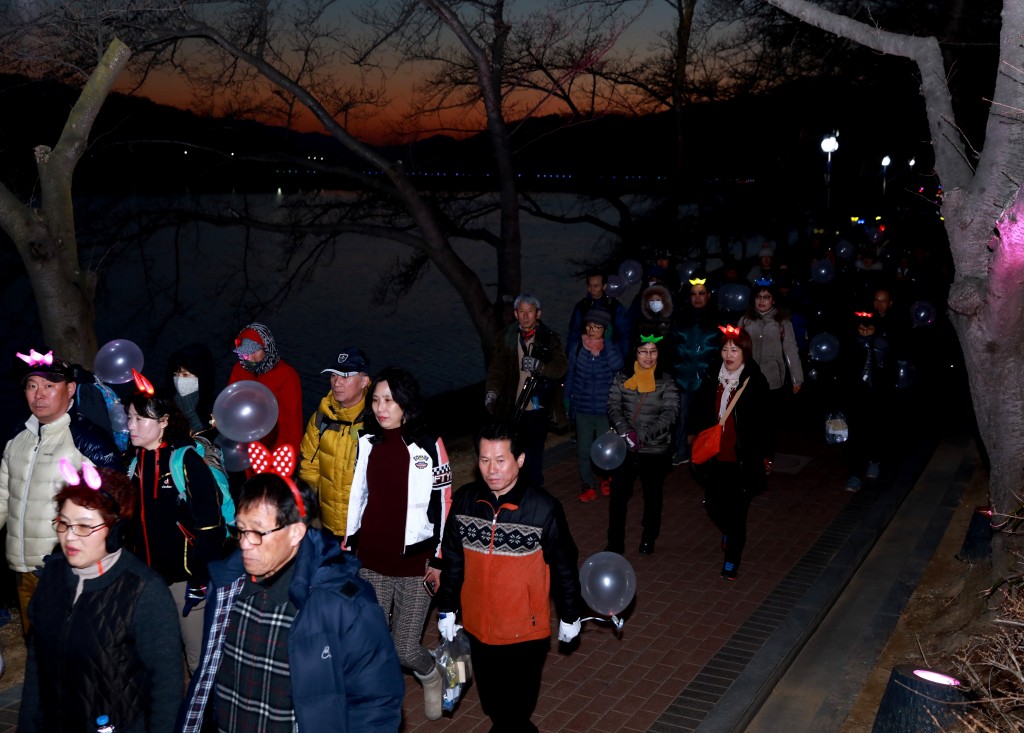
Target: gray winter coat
x,y
774,347
655,418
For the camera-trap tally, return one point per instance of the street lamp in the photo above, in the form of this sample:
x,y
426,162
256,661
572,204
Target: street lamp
x,y
829,145
885,167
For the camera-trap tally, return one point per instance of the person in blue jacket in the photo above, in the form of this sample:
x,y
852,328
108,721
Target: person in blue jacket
x,y
294,639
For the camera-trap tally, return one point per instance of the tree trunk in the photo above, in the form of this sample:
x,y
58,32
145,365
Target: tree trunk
x,y
45,237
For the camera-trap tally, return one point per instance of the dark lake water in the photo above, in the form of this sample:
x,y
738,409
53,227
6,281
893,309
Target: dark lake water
x,y
206,283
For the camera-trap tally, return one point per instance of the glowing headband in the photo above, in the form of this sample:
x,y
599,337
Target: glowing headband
x,y
34,358
729,331
281,463
89,475
864,314
142,384
698,281
650,339
763,282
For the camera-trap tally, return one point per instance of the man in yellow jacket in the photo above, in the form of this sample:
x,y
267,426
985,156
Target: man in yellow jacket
x,y
332,437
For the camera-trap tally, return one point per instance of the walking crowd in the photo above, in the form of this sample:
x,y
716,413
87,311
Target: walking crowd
x,y
165,591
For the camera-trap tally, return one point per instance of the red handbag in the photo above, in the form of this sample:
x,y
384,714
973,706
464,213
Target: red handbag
x,y
708,442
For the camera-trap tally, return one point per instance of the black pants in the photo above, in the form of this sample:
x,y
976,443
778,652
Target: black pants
x,y
727,498
651,468
532,431
508,681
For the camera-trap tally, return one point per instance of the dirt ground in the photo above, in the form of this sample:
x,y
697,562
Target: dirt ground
x,y
944,612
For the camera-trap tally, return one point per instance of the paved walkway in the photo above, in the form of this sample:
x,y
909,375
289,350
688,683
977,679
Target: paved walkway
x,y
698,653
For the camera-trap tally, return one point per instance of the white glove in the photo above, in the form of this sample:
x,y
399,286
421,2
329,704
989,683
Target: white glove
x,y
568,632
490,400
446,625
532,364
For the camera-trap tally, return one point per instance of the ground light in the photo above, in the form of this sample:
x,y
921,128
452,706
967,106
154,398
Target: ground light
x,y
919,700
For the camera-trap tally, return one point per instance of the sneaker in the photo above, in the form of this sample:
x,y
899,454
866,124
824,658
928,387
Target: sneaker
x,y
874,469
679,459
587,495
730,570
853,484
606,486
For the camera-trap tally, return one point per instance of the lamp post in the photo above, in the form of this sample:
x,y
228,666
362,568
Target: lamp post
x,y
885,169
829,145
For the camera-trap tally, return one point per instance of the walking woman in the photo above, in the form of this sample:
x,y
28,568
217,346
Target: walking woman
x,y
738,472
401,493
178,528
642,406
104,639
593,362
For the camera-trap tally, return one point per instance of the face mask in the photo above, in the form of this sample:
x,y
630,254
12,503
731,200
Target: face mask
x,y
656,306
186,385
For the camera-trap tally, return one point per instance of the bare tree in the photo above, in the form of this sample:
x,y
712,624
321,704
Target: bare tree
x,y
982,208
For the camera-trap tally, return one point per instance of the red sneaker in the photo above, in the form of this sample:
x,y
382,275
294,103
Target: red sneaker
x,y
587,495
606,486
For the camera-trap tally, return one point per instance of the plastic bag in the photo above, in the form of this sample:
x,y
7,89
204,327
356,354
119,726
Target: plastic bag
x,y
836,428
453,662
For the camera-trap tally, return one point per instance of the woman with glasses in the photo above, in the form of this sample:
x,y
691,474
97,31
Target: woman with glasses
x,y
737,474
774,347
401,493
104,638
642,407
178,529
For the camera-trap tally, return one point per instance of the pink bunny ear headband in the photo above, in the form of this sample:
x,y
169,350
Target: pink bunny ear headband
x,y
89,475
280,463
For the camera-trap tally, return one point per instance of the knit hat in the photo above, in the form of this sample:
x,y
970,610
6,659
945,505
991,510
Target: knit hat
x,y
248,342
766,251
350,361
599,316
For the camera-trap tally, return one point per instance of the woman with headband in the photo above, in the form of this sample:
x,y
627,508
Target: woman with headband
x,y
737,391
642,407
105,638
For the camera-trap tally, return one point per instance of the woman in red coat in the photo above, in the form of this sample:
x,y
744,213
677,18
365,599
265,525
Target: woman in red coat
x,y
258,359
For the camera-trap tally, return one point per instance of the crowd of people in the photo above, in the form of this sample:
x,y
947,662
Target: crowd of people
x,y
168,591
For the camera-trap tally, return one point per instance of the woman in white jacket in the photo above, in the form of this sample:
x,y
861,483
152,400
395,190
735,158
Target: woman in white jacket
x,y
401,493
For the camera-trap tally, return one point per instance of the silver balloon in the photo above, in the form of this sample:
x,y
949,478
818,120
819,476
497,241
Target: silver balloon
x,y
118,417
734,296
236,455
245,411
824,347
608,451
631,271
906,374
845,249
616,284
115,360
822,271
922,313
608,582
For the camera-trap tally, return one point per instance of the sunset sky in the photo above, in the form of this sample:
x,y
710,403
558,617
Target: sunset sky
x,y
380,125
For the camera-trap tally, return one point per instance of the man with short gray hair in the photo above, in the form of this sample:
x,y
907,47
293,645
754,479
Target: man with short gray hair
x,y
527,363
332,437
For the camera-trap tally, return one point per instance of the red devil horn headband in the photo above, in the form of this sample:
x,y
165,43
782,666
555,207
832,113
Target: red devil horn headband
x,y
142,384
280,463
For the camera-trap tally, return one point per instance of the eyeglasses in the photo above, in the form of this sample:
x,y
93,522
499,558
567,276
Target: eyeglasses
x,y
647,352
763,296
252,536
78,530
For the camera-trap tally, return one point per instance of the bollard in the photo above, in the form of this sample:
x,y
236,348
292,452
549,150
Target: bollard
x,y
978,543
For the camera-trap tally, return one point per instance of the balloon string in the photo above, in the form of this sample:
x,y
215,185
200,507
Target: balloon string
x,y
615,621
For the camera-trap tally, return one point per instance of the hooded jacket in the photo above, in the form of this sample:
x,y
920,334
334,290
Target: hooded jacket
x,y
344,670
281,379
774,346
659,324
329,450
30,477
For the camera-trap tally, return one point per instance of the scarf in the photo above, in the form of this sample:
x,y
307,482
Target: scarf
x,y
642,380
593,345
729,381
269,348
94,571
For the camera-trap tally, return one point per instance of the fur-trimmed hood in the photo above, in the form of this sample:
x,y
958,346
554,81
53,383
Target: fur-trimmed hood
x,y
666,298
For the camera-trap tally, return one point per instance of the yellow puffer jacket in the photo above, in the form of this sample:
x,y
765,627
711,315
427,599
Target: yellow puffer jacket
x,y
329,450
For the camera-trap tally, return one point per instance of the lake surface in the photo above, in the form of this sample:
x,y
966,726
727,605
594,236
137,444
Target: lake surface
x,y
205,283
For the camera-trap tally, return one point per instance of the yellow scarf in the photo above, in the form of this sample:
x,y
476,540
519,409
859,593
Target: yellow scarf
x,y
642,379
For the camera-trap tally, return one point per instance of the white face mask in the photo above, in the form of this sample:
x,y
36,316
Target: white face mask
x,y
186,385
656,306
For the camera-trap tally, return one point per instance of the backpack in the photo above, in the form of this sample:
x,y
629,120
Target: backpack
x,y
213,459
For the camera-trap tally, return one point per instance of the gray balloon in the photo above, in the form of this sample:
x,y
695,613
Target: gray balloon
x,y
236,455
608,451
245,411
608,582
